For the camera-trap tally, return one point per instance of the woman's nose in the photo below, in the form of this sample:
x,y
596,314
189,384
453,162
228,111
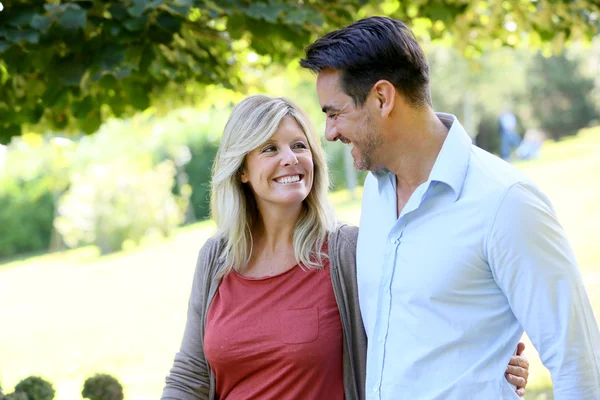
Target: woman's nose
x,y
289,158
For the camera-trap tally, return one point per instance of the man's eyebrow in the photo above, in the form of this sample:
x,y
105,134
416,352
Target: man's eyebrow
x,y
326,109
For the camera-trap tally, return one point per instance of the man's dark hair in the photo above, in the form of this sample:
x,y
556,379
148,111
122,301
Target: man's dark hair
x,y
369,50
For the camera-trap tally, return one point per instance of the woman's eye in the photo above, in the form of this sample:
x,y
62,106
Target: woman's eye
x,y
300,146
268,149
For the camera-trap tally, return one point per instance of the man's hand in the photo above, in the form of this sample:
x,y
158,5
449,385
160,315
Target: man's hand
x,y
517,371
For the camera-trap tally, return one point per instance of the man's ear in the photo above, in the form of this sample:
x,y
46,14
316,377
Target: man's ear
x,y
385,94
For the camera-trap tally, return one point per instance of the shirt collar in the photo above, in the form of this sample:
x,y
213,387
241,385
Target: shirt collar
x,y
452,162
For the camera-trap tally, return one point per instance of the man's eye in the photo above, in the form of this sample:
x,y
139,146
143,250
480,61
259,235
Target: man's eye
x,y
332,116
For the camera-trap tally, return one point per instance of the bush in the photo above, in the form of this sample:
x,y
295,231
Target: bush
x,y
199,170
127,199
102,387
26,213
35,388
560,95
488,134
14,396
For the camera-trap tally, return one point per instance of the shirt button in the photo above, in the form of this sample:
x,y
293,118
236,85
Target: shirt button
x,y
394,241
376,389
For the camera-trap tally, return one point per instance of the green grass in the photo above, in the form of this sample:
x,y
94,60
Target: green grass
x,y
66,316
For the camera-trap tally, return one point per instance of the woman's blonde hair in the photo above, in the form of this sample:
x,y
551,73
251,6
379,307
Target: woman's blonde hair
x,y
233,206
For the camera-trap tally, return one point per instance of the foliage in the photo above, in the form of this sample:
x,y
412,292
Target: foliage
x,y
199,170
108,204
488,134
35,388
14,396
102,387
193,148
69,65
32,176
560,95
26,214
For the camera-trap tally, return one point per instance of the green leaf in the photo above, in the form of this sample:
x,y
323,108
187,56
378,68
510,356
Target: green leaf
x,y
147,57
8,131
263,11
177,9
118,11
31,36
297,17
136,24
80,109
138,97
108,82
168,22
54,92
111,55
42,22
74,17
21,18
4,45
92,122
137,9
33,115
70,72
112,28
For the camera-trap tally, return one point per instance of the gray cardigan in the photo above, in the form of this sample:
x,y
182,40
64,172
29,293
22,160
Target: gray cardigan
x,y
191,378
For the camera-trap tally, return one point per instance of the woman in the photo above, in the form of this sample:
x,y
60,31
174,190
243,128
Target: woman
x,y
274,309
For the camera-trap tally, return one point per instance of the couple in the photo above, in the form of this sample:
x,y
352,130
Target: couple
x,y
457,252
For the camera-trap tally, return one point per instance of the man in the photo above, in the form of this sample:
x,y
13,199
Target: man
x,y
509,138
458,251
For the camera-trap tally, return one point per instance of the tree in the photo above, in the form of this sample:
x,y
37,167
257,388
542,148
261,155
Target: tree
x,y
560,95
70,64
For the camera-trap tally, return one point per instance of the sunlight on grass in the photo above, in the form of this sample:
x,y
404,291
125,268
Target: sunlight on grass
x,y
68,315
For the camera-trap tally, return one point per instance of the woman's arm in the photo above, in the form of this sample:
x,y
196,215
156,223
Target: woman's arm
x,y
517,371
189,378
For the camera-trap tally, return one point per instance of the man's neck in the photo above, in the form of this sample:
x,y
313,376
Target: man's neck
x,y
413,153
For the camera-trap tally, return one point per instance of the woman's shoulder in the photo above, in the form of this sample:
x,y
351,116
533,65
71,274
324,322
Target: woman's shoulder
x,y
213,244
210,252
345,234
342,246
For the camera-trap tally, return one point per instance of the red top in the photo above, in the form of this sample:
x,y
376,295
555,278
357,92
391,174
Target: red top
x,y
277,338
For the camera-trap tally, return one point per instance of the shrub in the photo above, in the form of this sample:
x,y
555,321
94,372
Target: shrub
x,y
102,387
26,213
199,170
108,204
15,396
488,134
560,95
35,388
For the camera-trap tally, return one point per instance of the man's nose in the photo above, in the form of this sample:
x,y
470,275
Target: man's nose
x,y
331,133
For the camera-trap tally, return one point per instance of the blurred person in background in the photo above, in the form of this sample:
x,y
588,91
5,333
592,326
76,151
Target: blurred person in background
x,y
509,138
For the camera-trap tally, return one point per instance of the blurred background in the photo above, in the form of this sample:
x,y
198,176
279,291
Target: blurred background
x,y
111,114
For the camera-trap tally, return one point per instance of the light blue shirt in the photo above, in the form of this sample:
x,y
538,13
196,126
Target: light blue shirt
x,y
446,289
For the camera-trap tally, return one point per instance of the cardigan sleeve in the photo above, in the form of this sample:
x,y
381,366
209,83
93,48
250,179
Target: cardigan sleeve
x,y
189,378
343,258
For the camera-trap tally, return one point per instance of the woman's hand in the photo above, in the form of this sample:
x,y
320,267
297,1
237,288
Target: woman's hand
x,y
517,371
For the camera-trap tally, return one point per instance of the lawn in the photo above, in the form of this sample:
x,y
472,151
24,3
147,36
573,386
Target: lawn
x,y
69,315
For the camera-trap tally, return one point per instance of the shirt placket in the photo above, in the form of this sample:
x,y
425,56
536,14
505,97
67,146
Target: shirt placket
x,y
384,306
